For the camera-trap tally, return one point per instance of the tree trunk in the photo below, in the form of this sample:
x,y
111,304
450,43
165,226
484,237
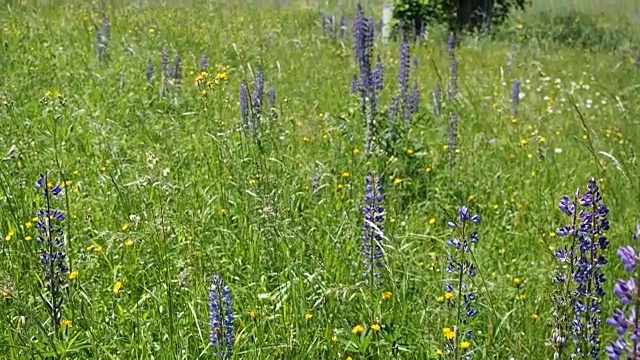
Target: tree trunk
x,y
474,14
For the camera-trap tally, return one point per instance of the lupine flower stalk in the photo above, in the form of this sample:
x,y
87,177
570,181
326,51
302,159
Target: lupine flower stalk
x,y
176,70
106,29
204,63
271,103
582,284
515,97
363,36
52,249
221,318
463,270
149,72
452,140
164,62
373,228
453,68
343,26
257,97
624,319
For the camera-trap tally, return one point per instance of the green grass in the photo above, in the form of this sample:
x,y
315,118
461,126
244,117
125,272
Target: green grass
x,y
166,191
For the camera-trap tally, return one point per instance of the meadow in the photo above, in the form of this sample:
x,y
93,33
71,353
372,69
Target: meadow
x,y
168,168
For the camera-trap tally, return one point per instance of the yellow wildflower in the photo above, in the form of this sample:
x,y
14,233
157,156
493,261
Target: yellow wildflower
x,y
439,352
10,235
465,345
375,328
387,295
117,287
73,275
517,282
28,238
448,333
432,221
522,297
440,299
448,295
65,324
358,329
397,181
125,226
346,174
534,316
128,242
409,151
253,314
308,316
427,169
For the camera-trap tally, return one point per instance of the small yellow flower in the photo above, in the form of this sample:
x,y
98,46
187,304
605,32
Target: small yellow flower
x,y
356,151
397,181
465,345
349,358
306,139
439,352
117,287
10,235
203,92
35,219
128,242
495,206
514,120
448,333
97,248
125,226
524,142
387,295
28,238
471,197
375,328
73,275
28,225
358,329
427,169
517,282
448,295
585,137
151,31
340,186
445,147
346,174
308,316
541,140
534,316
66,324
253,314
222,212
76,172
522,297
440,299
409,151
519,26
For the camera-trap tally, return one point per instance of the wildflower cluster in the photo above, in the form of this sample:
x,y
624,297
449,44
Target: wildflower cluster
x,y
582,287
52,248
459,290
221,318
328,24
624,319
373,228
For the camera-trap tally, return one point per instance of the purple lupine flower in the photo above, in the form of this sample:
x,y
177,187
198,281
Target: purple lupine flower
x,y
149,72
257,97
244,105
176,69
354,84
515,97
627,345
404,68
463,269
451,44
106,29
437,102
452,137
101,48
221,319
52,249
373,228
583,288
204,63
164,62
453,76
343,26
378,75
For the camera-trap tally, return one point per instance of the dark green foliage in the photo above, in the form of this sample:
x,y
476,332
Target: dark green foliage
x,y
475,15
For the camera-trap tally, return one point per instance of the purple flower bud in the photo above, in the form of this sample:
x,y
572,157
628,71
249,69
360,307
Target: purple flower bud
x,y
628,257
